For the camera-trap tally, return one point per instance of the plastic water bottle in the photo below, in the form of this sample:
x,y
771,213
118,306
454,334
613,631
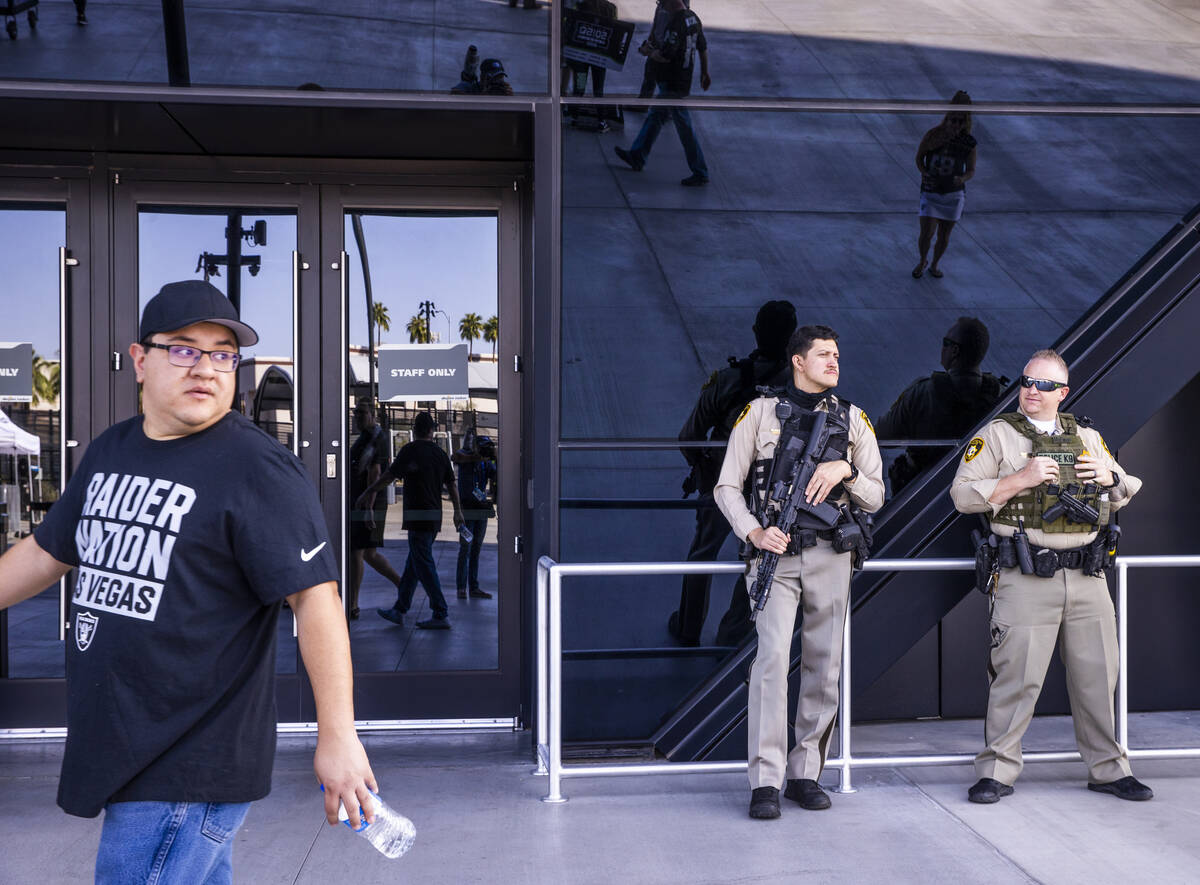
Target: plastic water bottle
x,y
392,833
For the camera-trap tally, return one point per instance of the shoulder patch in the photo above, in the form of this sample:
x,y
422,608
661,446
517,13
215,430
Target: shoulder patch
x,y
867,421
745,410
1104,446
974,447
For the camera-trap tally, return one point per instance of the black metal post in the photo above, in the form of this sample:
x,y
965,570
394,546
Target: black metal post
x,y
233,258
361,240
175,32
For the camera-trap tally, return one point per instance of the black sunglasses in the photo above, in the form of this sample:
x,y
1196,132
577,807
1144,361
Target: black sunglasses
x,y
1040,383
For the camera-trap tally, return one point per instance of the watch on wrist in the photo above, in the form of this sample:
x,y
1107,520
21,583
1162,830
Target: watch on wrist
x,y
853,474
1116,481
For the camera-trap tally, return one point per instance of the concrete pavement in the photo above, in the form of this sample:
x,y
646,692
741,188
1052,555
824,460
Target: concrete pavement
x,y
479,819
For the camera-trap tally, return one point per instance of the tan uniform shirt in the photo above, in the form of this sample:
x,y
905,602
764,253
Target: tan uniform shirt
x,y
754,437
1001,450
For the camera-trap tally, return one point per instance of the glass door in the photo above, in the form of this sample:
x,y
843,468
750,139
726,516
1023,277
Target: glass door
x,y
246,243
427,394
37,356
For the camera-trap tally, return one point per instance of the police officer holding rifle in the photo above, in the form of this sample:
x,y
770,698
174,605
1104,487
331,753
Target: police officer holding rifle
x,y
813,470
1048,486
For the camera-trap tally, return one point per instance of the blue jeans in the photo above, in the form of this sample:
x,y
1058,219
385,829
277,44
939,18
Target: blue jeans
x,y
161,843
655,120
420,567
467,573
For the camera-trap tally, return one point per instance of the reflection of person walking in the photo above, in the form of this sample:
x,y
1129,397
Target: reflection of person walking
x,y
368,458
476,462
674,62
425,470
188,526
946,158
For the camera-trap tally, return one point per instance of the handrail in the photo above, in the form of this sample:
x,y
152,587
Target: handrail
x,y
550,656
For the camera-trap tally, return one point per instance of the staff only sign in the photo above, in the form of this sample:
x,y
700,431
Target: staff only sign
x,y
422,371
16,373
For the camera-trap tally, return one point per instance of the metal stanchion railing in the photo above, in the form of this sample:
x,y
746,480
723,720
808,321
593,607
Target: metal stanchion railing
x,y
549,672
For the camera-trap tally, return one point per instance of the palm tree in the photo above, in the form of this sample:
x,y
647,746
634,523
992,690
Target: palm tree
x,y
382,321
491,332
418,330
46,375
469,328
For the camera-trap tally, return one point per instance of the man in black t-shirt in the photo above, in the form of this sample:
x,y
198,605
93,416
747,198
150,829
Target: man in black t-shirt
x,y
425,470
188,527
674,62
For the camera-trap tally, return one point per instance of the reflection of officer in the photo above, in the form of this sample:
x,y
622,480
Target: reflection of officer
x,y
1007,472
944,405
811,573
721,401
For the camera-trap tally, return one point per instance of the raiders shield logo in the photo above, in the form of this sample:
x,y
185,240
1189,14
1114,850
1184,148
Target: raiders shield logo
x,y
973,449
85,629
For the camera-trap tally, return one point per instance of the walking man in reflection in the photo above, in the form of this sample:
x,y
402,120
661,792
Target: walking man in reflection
x,y
673,65
814,566
1048,486
476,463
425,470
368,458
188,527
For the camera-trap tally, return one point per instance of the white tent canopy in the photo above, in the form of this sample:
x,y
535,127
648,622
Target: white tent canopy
x,y
15,441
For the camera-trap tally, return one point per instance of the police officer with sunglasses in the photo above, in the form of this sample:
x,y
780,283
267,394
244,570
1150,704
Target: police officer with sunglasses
x,y
1048,486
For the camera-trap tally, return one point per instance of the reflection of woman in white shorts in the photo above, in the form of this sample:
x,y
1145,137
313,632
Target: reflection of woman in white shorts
x,y
946,158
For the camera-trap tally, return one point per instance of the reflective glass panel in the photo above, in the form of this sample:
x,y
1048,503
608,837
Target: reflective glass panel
x,y
402,45
423,597
664,287
998,50
30,413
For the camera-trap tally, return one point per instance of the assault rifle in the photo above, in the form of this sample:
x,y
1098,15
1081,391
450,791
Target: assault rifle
x,y
794,467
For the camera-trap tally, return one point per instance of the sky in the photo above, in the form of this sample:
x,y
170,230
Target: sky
x,y
445,259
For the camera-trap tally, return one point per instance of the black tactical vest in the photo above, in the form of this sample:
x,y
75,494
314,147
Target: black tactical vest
x,y
1065,448
799,425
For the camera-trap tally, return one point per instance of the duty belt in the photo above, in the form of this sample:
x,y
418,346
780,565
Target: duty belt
x,y
805,538
1046,561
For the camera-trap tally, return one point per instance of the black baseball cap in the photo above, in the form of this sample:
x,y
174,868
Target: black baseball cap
x,y
192,301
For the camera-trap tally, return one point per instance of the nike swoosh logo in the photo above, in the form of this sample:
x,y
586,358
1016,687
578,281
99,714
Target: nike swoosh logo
x,y
306,555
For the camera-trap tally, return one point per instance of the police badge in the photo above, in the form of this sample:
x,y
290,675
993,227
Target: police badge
x,y
85,629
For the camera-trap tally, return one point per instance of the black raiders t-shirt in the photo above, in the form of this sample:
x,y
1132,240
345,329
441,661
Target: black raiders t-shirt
x,y
425,469
185,549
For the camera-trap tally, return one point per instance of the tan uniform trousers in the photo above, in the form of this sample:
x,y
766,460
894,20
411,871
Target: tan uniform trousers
x,y
819,580
1028,615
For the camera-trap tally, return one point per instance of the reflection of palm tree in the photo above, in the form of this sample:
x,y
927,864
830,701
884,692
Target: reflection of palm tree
x,y
469,328
45,380
382,321
491,332
418,331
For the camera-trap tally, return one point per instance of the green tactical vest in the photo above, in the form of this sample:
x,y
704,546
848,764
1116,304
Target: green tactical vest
x,y
1063,448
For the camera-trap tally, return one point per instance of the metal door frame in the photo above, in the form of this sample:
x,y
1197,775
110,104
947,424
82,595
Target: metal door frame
x,y
41,702
132,192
